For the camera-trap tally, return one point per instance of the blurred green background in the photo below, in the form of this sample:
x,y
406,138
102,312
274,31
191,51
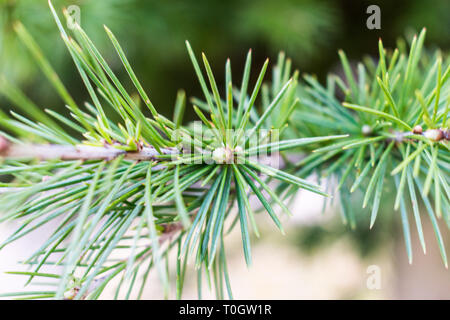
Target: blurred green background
x,y
153,34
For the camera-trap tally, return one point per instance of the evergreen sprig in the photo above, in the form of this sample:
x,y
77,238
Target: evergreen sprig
x,y
148,184
396,115
144,178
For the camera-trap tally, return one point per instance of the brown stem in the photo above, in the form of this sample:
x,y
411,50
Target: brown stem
x,y
80,152
436,135
433,134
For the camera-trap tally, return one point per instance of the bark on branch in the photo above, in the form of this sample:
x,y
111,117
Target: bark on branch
x,y
80,152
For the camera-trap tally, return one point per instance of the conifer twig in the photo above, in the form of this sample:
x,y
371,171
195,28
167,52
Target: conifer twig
x,y
79,152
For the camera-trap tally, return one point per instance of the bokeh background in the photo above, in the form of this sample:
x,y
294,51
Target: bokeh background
x,y
320,257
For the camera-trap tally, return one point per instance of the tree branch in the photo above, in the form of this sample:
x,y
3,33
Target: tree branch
x,y
79,152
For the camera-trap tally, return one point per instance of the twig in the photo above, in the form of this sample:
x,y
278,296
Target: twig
x,y
79,152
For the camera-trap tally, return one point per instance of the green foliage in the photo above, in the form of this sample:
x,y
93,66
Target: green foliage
x,y
152,32
14,60
186,197
396,115
166,187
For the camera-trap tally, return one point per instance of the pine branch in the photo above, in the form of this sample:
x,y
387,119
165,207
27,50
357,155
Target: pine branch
x,y
404,100
155,180
80,152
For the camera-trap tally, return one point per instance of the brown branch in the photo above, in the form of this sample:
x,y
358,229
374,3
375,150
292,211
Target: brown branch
x,y
79,152
436,135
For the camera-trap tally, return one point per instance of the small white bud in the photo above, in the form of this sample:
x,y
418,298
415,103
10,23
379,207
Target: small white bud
x,y
366,129
417,129
222,155
434,134
219,155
